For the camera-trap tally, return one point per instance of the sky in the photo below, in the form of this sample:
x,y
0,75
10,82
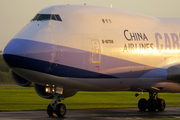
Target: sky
x,y
15,14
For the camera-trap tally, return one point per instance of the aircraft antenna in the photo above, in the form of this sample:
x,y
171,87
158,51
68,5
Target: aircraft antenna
x,y
111,5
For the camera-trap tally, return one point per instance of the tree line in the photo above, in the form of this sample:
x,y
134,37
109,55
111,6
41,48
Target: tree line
x,y
5,73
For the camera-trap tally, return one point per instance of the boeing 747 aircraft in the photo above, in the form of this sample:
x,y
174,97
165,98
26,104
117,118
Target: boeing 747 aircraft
x,y
70,48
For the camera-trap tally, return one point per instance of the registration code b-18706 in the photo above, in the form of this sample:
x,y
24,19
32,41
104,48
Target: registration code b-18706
x,y
107,41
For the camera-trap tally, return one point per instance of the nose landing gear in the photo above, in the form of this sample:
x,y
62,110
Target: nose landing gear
x,y
153,103
56,109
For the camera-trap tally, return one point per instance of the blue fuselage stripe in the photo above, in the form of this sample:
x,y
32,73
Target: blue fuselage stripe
x,y
50,68
65,61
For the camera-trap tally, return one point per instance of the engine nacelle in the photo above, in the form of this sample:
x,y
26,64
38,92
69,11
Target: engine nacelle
x,y
21,81
41,91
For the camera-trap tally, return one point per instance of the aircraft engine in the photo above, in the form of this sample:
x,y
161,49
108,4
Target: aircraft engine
x,y
21,81
41,91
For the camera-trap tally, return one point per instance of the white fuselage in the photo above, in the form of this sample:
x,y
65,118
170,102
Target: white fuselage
x,y
99,49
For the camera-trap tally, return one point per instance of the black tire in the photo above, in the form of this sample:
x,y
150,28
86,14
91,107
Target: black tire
x,y
161,104
142,104
151,105
50,111
61,110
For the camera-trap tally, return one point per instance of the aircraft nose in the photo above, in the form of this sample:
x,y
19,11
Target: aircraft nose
x,y
12,49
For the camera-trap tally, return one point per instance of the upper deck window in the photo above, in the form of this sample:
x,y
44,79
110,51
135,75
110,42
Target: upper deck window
x,y
44,17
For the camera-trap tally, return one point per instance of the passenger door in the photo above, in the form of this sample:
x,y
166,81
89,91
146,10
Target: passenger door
x,y
96,51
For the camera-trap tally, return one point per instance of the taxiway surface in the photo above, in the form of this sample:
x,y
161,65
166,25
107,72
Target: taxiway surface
x,y
94,114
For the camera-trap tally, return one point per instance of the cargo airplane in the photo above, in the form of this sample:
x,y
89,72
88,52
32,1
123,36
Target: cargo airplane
x,y
70,48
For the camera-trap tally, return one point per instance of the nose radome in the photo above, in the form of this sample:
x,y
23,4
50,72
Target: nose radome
x,y
13,48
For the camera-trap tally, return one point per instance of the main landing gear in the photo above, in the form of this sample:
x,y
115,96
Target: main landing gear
x,y
56,109
153,103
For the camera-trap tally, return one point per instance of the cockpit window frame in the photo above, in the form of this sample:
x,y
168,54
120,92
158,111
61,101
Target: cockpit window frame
x,y
54,17
58,17
38,16
44,17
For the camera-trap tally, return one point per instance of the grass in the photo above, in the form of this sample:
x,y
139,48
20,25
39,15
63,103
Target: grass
x,y
15,98
162,119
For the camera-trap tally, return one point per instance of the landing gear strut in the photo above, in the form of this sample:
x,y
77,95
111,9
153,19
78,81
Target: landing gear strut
x,y
153,103
56,109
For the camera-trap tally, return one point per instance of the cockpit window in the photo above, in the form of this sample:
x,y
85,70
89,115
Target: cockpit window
x,y
36,17
45,17
53,17
58,17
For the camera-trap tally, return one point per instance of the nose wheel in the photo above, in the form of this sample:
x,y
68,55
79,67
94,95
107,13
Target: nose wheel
x,y
54,109
153,103
59,110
